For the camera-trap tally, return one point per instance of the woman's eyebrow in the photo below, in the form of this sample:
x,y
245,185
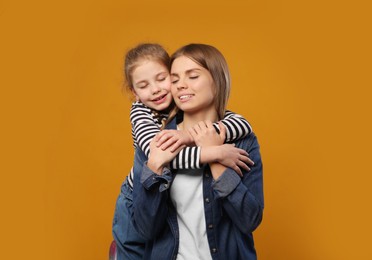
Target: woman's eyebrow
x,y
192,70
187,71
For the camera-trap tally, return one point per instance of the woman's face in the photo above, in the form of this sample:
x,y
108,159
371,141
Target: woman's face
x,y
193,88
151,84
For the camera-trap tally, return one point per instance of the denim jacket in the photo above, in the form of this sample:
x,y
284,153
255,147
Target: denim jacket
x,y
233,208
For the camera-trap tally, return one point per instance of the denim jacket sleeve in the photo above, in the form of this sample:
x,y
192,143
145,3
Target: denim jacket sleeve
x,y
242,198
150,195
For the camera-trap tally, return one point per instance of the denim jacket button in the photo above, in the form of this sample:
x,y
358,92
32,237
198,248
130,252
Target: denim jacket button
x,y
207,200
165,185
207,175
210,226
214,250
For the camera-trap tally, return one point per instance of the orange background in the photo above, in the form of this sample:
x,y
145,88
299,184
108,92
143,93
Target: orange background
x,y
301,76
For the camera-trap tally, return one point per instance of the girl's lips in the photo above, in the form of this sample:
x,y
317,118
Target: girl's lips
x,y
160,99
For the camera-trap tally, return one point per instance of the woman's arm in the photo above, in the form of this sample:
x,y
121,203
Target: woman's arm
x,y
150,193
242,198
205,136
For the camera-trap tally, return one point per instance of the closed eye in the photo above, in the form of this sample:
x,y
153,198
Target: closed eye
x,y
142,86
160,79
174,79
162,76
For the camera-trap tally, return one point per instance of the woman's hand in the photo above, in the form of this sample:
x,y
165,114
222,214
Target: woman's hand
x,y
234,158
204,134
173,139
213,149
159,158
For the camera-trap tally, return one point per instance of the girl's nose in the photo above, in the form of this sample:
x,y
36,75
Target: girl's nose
x,y
155,89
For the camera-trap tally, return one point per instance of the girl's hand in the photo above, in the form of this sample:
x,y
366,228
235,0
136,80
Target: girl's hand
x,y
234,158
173,139
204,134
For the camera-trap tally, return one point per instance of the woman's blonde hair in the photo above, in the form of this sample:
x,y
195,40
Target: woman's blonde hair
x,y
212,60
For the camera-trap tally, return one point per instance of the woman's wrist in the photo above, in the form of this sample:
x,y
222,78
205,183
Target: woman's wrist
x,y
217,169
155,166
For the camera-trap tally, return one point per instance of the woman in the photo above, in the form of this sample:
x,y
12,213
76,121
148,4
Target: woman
x,y
148,78
201,214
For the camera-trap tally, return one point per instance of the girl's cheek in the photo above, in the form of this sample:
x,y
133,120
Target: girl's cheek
x,y
167,85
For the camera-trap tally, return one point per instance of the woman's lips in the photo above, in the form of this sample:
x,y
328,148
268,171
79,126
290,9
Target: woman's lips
x,y
185,97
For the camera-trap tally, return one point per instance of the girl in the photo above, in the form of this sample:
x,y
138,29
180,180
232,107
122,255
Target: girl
x,y
147,76
207,213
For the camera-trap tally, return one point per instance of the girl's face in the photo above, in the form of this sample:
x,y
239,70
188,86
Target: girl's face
x,y
193,88
151,85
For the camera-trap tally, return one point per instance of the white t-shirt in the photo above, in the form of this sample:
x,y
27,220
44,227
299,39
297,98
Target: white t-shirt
x,y
187,197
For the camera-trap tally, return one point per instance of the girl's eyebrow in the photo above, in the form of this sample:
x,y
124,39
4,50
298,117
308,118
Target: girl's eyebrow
x,y
187,71
161,73
145,81
139,82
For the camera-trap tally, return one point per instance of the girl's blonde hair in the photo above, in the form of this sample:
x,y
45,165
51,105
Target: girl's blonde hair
x,y
143,51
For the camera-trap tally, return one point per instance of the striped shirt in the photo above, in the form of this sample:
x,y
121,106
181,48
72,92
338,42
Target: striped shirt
x,y
146,123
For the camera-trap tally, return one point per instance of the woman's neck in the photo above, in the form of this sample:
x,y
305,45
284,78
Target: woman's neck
x,y
191,119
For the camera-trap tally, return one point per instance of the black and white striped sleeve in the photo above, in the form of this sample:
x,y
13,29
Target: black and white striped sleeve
x,y
187,158
236,126
144,127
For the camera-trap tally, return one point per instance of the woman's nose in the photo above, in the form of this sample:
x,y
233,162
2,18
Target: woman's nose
x,y
181,84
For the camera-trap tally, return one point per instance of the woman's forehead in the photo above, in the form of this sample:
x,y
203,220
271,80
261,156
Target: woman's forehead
x,y
183,64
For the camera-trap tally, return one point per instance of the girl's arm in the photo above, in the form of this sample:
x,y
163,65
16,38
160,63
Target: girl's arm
x,y
145,128
226,154
236,126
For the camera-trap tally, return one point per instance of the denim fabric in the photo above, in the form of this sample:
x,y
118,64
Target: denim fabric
x,y
233,209
148,179
129,244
